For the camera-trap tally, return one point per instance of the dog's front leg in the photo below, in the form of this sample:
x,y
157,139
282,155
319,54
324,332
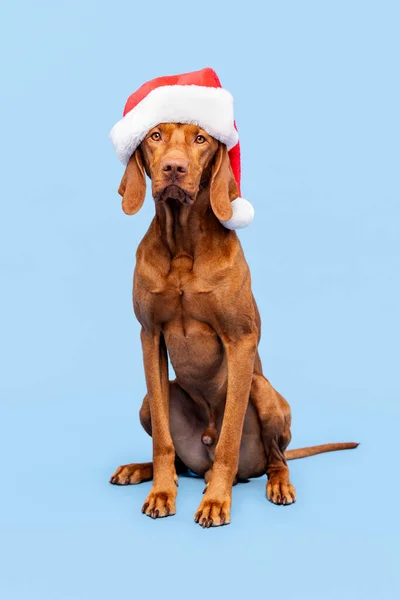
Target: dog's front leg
x,y
215,507
161,500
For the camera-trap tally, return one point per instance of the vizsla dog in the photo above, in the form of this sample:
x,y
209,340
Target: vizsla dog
x,y
220,417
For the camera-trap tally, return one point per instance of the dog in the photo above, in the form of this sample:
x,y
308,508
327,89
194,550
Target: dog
x,y
220,418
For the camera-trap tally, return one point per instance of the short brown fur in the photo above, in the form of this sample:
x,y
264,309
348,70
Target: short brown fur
x,y
220,417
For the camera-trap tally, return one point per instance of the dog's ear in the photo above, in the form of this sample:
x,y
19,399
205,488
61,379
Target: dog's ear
x,y
133,184
223,187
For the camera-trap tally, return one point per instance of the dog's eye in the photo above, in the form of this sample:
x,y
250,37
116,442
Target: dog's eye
x,y
200,139
155,136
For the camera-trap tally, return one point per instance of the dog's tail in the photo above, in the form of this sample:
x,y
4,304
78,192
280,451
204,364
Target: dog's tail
x,y
312,450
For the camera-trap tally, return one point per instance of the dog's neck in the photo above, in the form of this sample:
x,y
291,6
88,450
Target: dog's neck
x,y
182,226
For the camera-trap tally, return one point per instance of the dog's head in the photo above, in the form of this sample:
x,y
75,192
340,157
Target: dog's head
x,y
180,160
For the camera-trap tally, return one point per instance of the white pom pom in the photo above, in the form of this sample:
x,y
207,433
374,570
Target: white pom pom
x,y
243,214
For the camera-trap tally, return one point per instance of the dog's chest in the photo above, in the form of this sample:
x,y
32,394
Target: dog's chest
x,y
180,293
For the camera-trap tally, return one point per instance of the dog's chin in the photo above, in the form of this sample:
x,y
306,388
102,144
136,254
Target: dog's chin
x,y
174,193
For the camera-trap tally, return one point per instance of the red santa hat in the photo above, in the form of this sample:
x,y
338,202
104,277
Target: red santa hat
x,y
196,98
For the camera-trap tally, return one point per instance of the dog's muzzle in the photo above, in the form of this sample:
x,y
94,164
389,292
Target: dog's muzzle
x,y
174,192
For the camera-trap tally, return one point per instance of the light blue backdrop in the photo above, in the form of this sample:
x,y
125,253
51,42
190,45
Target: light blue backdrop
x,y
316,86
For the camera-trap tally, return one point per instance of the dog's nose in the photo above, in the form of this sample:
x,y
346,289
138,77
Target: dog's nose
x,y
175,166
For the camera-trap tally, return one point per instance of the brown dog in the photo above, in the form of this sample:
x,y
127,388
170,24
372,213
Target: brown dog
x,y
220,418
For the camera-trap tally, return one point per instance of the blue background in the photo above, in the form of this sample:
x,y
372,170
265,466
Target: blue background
x,y
316,88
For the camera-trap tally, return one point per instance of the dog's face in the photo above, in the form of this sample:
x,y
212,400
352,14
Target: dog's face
x,y
177,158
180,160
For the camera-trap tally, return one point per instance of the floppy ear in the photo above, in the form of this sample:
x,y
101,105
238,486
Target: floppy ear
x,y
223,185
133,184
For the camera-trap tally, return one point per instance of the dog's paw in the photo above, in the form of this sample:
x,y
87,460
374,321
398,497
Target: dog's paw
x,y
132,474
279,492
213,512
160,503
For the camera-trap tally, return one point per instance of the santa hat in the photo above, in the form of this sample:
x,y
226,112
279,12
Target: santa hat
x,y
196,98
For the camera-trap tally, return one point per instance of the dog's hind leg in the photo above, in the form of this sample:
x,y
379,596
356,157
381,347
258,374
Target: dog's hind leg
x,y
134,473
275,419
